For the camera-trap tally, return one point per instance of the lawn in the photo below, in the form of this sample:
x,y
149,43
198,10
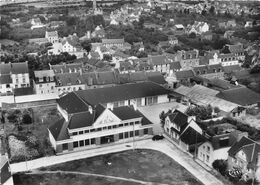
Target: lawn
x,y
144,165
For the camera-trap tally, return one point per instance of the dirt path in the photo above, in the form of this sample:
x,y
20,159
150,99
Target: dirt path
x,y
99,175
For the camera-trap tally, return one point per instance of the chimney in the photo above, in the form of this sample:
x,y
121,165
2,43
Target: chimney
x,y
110,106
90,109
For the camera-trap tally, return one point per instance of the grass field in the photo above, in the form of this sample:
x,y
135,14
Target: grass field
x,y
144,165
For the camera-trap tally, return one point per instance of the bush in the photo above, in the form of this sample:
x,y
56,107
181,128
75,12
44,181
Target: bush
x,y
220,165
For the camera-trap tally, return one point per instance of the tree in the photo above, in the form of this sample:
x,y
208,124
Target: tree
x,y
220,165
27,119
201,112
192,35
86,45
212,10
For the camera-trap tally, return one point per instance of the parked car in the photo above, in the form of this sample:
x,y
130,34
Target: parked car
x,y
157,137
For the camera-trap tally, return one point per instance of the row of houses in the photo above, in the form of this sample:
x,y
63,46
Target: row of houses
x,y
216,142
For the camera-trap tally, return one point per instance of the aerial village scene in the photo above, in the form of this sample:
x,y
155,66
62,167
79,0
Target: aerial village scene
x,y
129,92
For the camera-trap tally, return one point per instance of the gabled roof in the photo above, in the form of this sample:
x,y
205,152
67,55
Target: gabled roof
x,y
59,129
23,91
158,60
113,41
51,34
44,73
120,92
179,118
190,137
180,75
175,65
14,68
238,48
249,147
241,96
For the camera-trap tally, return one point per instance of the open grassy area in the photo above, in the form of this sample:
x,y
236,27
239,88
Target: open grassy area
x,y
144,165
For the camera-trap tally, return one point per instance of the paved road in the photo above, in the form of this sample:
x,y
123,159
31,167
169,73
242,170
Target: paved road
x,y
163,146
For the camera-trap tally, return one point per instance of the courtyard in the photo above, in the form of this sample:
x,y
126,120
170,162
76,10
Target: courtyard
x,y
140,166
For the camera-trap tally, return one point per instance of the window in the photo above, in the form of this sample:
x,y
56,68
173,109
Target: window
x,y
81,143
121,125
92,141
126,134
75,144
131,133
65,146
86,131
7,85
40,85
208,148
137,133
146,131
126,124
92,130
131,123
207,159
114,126
80,132
121,136
74,133
104,128
137,122
109,127
99,129
86,142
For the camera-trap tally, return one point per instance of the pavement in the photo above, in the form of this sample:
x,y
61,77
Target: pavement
x,y
163,146
152,113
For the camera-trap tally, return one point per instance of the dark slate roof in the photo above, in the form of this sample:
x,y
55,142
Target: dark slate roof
x,y
184,74
175,65
238,48
5,79
5,172
23,91
221,84
158,60
19,68
249,147
190,136
241,96
179,118
85,119
121,92
157,79
208,69
5,68
71,103
59,130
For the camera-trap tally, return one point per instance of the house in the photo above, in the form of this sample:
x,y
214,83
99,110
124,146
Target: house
x,y
173,40
178,126
197,28
109,43
44,82
184,75
67,68
207,35
209,71
52,36
178,29
71,44
244,155
249,24
5,171
36,23
13,75
188,59
228,59
160,63
140,45
141,94
98,126
236,49
228,34
216,147
238,112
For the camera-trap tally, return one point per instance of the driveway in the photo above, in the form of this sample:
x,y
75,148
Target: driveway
x,y
152,113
